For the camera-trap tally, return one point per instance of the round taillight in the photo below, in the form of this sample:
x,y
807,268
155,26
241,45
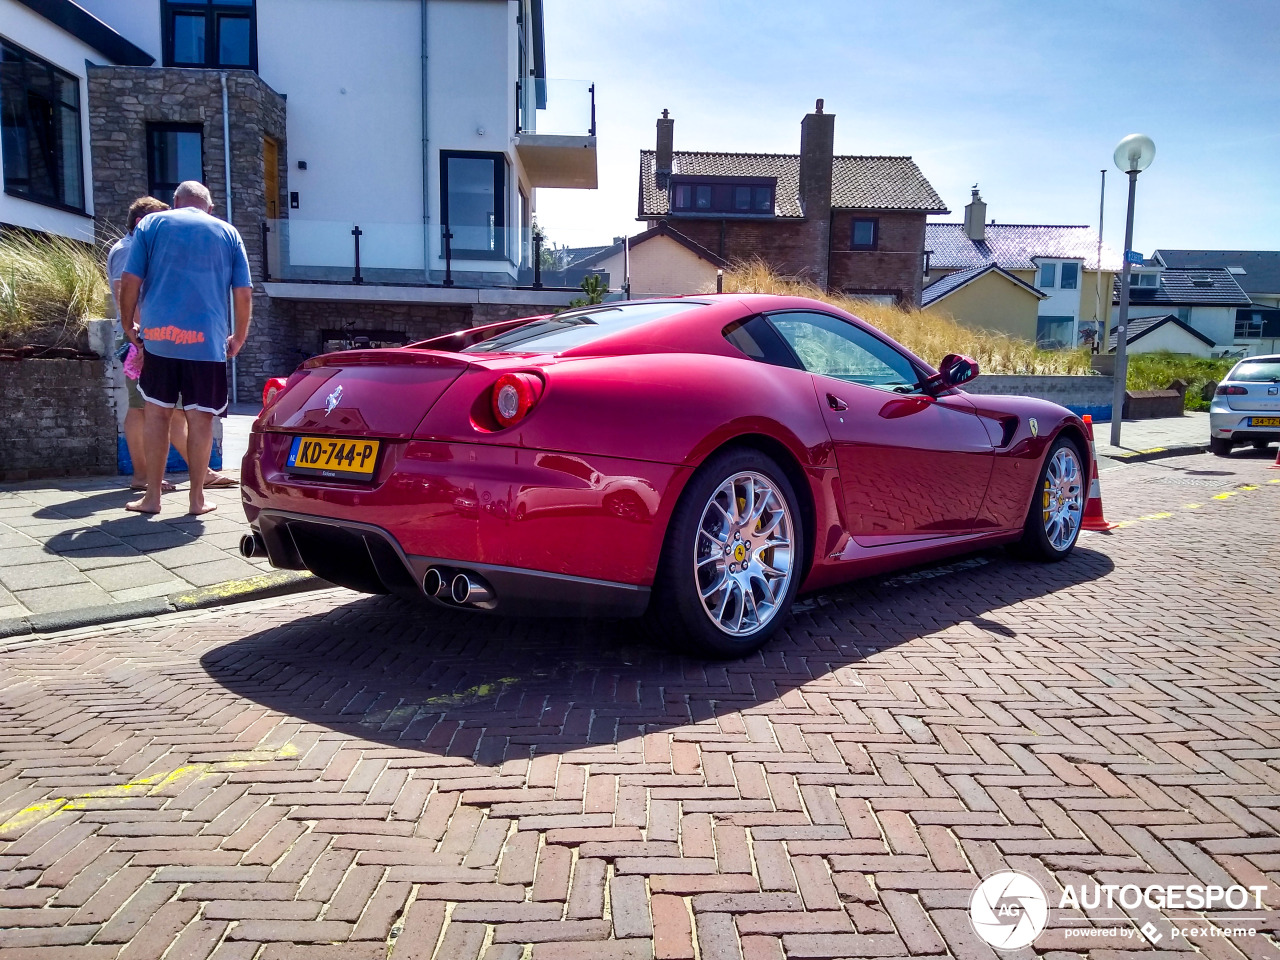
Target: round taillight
x,y
272,390
513,396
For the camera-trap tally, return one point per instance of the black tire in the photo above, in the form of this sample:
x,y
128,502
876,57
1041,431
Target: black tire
x,y
676,616
1220,446
1035,543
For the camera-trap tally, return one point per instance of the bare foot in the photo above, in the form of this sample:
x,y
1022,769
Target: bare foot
x,y
145,504
199,509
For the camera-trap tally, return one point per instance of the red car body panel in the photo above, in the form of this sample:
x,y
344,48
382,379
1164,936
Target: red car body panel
x,y
585,485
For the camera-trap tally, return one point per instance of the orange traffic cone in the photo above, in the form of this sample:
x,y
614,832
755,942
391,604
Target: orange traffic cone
x,y
1276,465
1093,518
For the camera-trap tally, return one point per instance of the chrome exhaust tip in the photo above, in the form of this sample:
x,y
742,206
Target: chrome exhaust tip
x,y
252,545
435,583
470,589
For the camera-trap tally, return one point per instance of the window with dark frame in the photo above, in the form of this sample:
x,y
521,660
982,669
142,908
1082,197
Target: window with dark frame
x,y
749,196
40,130
1070,278
175,152
864,234
210,33
473,201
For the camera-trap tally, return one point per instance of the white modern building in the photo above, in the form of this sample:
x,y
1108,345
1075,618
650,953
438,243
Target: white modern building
x,y
381,157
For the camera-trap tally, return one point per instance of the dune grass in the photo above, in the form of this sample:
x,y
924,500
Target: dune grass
x,y
49,285
931,336
1154,371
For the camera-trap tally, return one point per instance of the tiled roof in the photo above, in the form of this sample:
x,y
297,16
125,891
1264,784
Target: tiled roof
x,y
663,229
857,183
1143,325
1261,267
953,281
1014,246
575,255
1214,287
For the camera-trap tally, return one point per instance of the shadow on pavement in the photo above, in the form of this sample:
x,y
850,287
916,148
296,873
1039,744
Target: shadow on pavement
x,y
108,524
489,689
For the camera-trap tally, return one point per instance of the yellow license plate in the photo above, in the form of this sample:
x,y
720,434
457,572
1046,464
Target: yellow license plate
x,y
1264,421
336,457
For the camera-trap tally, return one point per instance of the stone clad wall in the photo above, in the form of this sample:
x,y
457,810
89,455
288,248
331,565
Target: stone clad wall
x,y
58,419
123,100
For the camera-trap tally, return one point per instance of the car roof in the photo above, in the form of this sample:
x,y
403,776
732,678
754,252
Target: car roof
x,y
701,330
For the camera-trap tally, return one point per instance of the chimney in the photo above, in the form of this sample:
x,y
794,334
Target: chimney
x,y
975,215
817,144
666,142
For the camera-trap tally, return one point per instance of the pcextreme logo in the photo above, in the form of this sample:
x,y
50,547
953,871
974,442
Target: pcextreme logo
x,y
1009,910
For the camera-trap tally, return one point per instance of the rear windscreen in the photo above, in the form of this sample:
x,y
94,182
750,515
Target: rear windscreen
x,y
578,327
1257,371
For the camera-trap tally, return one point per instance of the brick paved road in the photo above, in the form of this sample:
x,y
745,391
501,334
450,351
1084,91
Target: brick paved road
x,y
337,777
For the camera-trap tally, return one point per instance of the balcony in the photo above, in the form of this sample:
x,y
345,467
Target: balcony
x,y
556,132
344,260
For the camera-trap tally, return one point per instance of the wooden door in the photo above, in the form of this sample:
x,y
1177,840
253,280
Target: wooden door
x,y
271,176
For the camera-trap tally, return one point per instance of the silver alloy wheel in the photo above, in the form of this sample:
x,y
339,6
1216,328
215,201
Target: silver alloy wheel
x,y
1063,502
743,561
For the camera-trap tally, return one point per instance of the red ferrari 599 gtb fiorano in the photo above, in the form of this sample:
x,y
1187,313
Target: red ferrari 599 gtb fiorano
x,y
697,461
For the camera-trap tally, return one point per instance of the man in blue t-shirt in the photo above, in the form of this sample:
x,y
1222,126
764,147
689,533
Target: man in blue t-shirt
x,y
181,266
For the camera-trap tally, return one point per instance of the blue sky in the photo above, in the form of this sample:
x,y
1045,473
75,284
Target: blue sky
x,y
1027,100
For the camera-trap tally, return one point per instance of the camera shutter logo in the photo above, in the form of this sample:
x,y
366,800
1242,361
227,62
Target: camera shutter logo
x,y
1008,910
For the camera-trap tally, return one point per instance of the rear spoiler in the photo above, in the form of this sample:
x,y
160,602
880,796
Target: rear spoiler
x,y
461,339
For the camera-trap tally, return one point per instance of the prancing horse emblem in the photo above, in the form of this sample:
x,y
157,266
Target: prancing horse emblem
x,y
331,401
1035,427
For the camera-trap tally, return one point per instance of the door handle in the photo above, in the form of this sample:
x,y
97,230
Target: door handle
x,y
835,403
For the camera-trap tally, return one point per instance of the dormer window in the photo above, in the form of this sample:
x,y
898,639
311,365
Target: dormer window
x,y
741,196
1146,280
1048,276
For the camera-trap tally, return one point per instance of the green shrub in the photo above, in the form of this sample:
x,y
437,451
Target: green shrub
x,y
1155,371
49,285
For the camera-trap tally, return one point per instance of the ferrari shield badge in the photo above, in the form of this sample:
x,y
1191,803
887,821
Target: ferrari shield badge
x,y
1035,427
331,401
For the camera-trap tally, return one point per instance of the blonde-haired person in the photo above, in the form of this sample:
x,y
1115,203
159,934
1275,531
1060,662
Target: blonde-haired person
x,y
133,420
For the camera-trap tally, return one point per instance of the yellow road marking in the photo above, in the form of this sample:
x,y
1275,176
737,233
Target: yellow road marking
x,y
143,786
1166,514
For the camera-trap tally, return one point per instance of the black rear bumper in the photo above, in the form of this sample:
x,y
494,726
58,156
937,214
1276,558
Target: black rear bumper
x,y
368,559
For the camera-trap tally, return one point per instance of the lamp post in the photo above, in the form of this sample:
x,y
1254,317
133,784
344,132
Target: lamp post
x,y
1133,155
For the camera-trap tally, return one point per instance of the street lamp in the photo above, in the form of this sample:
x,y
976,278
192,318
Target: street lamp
x,y
1133,155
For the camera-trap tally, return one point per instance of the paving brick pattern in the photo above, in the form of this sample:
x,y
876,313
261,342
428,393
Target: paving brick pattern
x,y
342,777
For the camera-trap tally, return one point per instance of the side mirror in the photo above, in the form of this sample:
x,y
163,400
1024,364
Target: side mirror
x,y
954,371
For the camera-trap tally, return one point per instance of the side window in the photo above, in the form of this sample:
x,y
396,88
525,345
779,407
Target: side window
x,y
761,342
832,347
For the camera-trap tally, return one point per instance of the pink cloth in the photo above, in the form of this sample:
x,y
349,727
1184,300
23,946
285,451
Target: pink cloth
x,y
133,363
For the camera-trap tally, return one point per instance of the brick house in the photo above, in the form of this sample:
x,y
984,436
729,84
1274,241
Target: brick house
x,y
851,224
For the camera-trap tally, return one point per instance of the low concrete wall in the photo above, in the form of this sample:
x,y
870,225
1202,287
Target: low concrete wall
x,y
1080,395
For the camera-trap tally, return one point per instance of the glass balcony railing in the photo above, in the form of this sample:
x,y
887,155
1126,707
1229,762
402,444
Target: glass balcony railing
x,y
556,107
341,251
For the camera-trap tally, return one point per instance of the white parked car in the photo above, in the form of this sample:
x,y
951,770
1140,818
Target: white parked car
x,y
1246,406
